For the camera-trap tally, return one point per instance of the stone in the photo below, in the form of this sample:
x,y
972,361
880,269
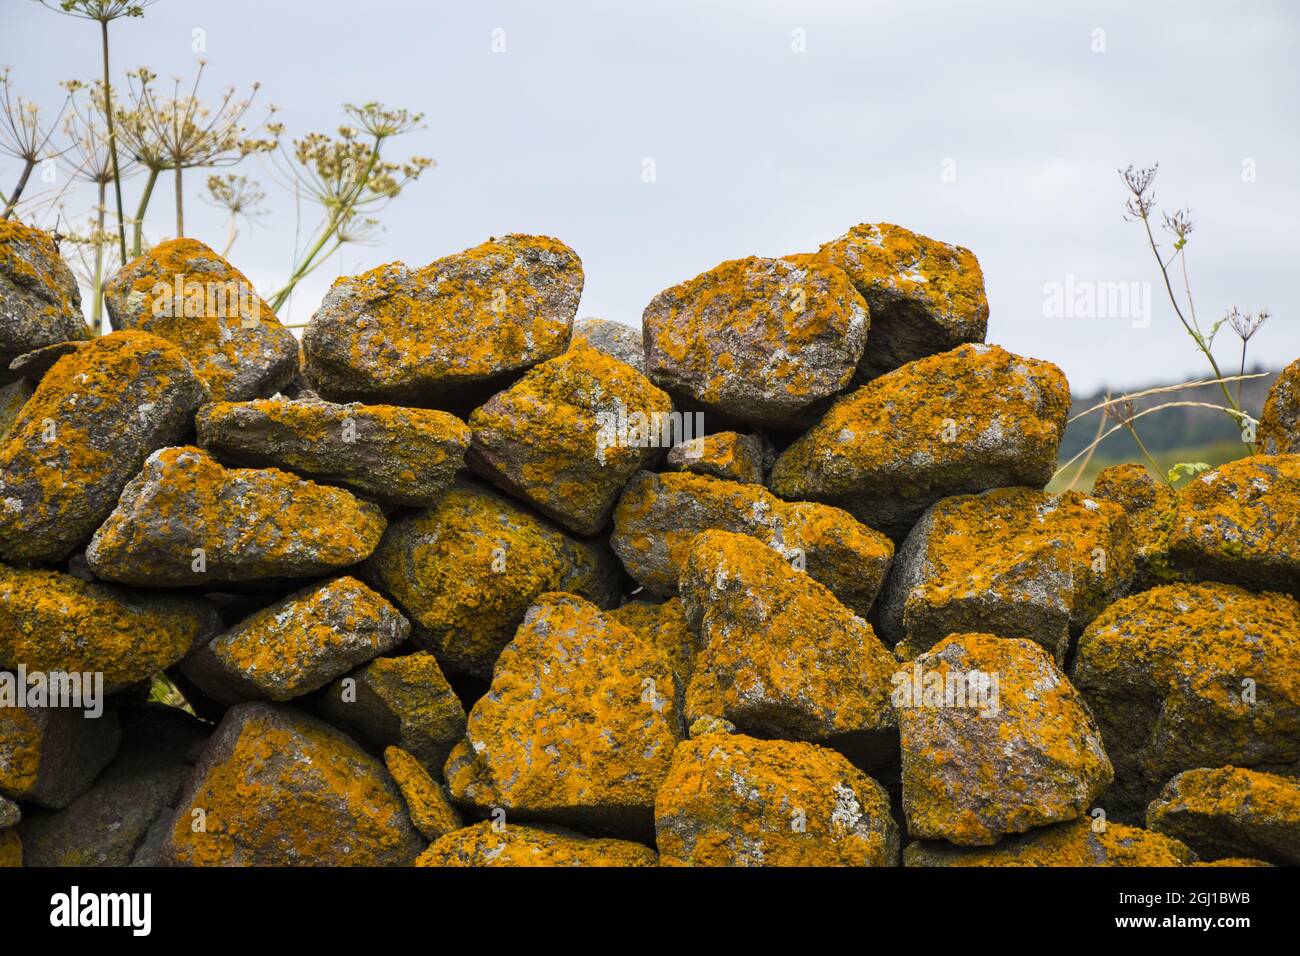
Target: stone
x,y
564,437
1076,843
12,399
402,456
297,644
737,801
182,291
469,320
757,340
468,783
729,455
11,849
1227,811
925,296
185,520
430,809
40,303
666,628
483,844
400,701
466,570
580,722
275,787
10,813
1240,524
50,755
778,656
995,740
959,422
1016,562
51,621
615,339
32,366
1191,675
660,514
1279,423
92,422
1149,504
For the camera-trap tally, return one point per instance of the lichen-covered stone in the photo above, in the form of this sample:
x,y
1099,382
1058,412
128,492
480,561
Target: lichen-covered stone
x,y
275,787
10,813
50,621
580,722
11,849
32,366
737,801
729,455
185,520
1240,523
1016,562
1279,423
1076,843
466,570
107,825
659,515
665,627
298,644
486,844
615,339
467,780
1228,811
925,296
1149,505
565,438
1191,675
182,291
93,420
402,701
995,740
411,336
778,656
759,340
12,399
50,755
405,456
39,301
430,811
960,422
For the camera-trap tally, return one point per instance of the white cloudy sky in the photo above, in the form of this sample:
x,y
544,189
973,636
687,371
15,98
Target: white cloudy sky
x,y
759,149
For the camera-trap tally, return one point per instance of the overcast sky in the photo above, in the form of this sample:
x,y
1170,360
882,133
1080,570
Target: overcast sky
x,y
773,127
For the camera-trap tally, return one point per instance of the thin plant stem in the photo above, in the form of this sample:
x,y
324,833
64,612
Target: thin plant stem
x,y
28,166
137,239
112,142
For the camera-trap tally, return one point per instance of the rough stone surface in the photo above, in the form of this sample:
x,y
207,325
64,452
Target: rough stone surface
x,y
665,627
11,849
514,845
995,740
1221,813
659,515
619,341
430,810
568,435
277,788
1279,423
39,301
1076,843
1013,561
765,341
1191,675
93,420
404,456
468,783
10,813
466,570
248,524
12,399
182,291
960,422
729,455
411,336
1149,505
298,644
737,801
51,755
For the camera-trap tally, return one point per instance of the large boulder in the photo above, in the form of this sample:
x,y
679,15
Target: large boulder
x,y
1149,504
565,438
487,844
182,291
1077,843
51,755
1279,423
618,341
466,570
277,788
580,722
40,303
778,656
1013,561
737,801
186,519
87,430
758,340
1231,811
660,514
960,422
925,296
995,740
473,319
50,621
1191,675
298,644
404,456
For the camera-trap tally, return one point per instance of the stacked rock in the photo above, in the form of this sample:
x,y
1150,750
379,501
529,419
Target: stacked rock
x,y
464,582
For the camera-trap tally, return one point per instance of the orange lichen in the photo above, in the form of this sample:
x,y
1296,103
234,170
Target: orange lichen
x,y
1076,843
489,844
431,812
